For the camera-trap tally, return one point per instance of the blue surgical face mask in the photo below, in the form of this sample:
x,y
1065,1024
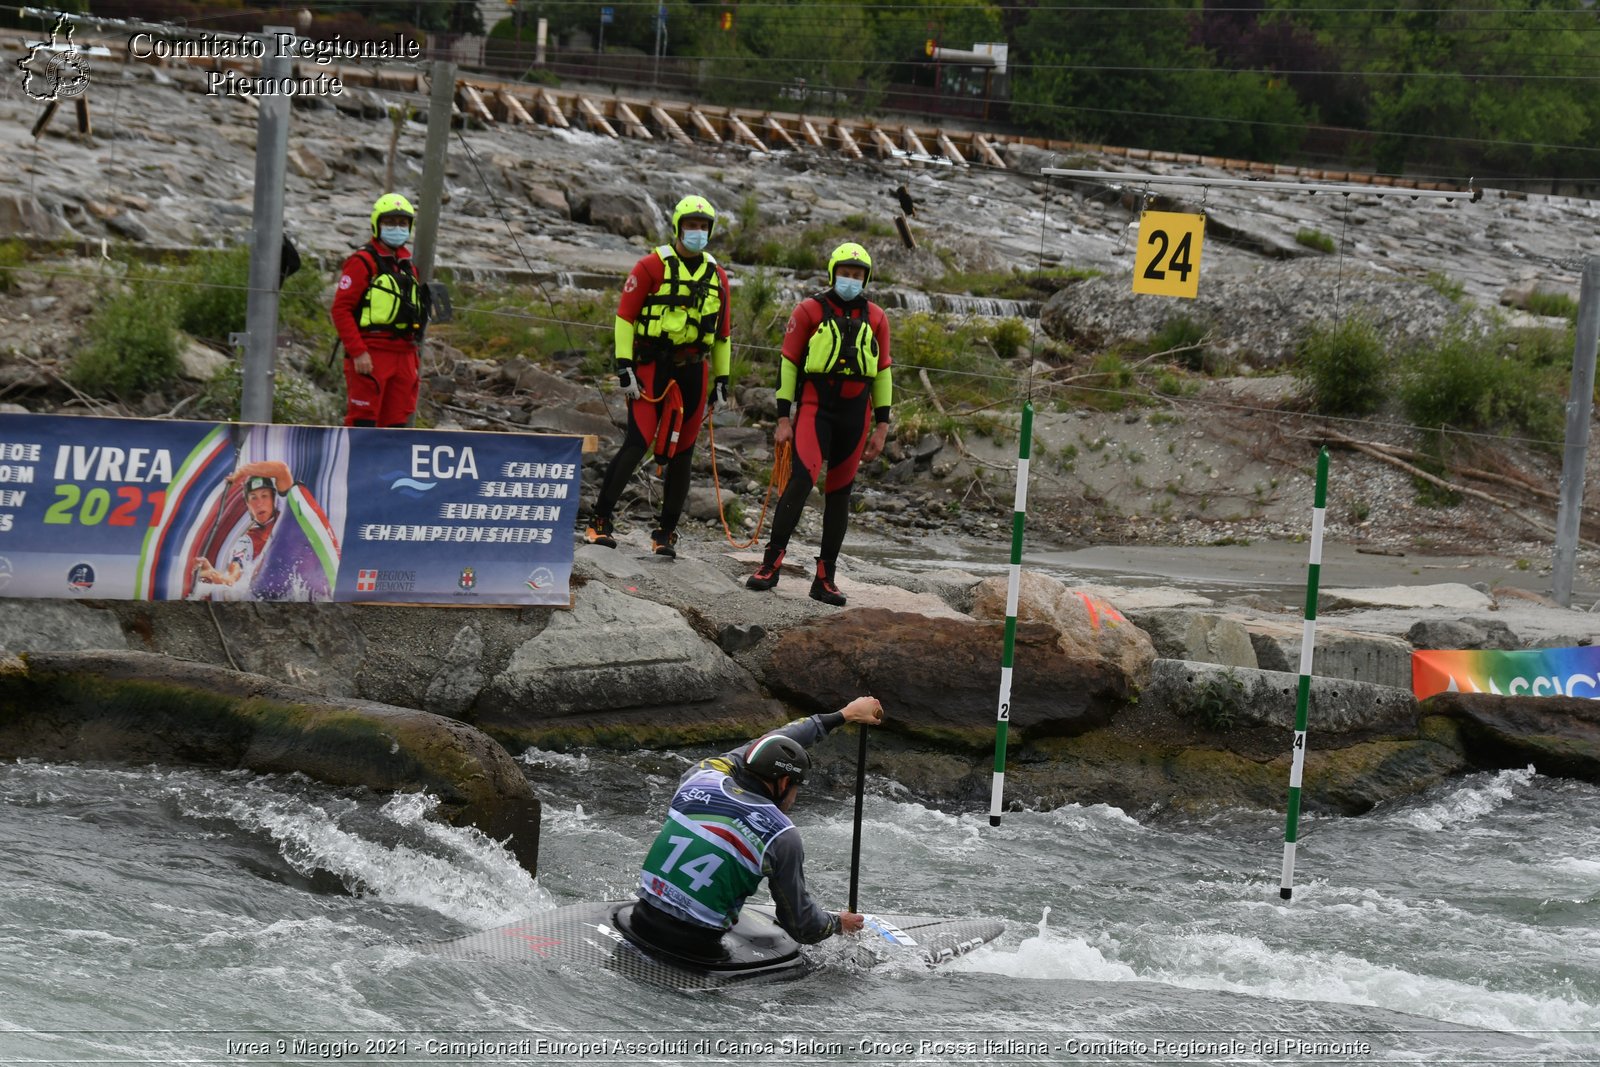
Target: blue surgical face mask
x,y
848,288
394,236
695,240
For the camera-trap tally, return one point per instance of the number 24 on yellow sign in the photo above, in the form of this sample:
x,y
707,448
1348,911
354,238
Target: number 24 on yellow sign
x,y
1168,260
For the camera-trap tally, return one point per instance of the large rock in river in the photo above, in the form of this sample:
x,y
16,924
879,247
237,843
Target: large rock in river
x,y
1089,627
1559,735
138,707
940,677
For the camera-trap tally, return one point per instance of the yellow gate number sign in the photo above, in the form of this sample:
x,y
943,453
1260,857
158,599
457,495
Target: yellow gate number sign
x,y
1168,260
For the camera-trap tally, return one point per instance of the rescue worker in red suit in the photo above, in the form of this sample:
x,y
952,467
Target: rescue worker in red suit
x,y
379,312
672,325
834,395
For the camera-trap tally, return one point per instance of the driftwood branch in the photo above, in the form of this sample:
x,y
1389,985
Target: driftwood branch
x,y
1474,473
961,446
1050,380
484,415
1512,507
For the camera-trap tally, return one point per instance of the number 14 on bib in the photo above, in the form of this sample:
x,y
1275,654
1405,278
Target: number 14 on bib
x,y
1168,259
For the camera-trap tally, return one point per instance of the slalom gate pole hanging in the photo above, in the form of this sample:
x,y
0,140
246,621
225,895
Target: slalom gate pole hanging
x,y
1308,640
1019,514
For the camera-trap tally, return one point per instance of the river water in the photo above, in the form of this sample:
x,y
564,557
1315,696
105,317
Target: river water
x,y
156,915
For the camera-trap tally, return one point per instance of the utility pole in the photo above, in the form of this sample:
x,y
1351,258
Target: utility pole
x,y
434,155
1580,407
266,238
661,29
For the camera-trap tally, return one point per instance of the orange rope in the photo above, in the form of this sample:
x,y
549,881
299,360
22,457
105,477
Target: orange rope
x,y
780,476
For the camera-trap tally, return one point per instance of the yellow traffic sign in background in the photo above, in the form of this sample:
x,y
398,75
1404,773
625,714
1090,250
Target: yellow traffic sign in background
x,y
1168,260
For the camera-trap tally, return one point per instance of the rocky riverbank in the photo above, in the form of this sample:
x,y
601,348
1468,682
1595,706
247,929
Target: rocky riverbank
x,y
1151,699
1148,453
1146,697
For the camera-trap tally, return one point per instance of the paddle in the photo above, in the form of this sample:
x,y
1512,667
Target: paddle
x,y
861,789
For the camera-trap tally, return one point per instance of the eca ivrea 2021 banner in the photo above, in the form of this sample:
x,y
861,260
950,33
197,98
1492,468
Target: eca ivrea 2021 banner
x,y
136,509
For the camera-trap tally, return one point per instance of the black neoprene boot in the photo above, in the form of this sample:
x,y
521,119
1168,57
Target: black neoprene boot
x,y
822,587
766,575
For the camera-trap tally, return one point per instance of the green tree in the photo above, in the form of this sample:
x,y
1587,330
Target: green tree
x,y
1092,72
1497,85
815,56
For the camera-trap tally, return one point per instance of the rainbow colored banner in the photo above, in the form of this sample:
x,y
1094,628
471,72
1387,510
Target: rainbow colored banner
x,y
163,509
1536,672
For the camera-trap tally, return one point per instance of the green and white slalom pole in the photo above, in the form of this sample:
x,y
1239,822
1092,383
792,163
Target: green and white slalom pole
x,y
1302,703
1019,514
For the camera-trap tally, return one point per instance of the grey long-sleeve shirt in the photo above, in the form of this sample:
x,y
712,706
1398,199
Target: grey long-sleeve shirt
x,y
784,864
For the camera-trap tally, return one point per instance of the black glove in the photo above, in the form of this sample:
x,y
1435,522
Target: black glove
x,y
628,382
719,393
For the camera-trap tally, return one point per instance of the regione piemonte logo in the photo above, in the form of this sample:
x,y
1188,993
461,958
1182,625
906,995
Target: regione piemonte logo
x,y
54,70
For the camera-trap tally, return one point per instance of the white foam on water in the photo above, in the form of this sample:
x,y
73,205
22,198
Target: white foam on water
x,y
1468,804
474,881
1045,956
1092,817
902,825
242,930
558,822
1584,868
560,761
1244,964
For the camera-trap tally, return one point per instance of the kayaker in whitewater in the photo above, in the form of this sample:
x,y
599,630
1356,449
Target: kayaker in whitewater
x,y
728,828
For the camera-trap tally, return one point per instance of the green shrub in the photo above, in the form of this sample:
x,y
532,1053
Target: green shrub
x,y
213,292
294,401
1345,367
865,226
1182,332
1315,239
503,323
1555,305
305,299
1008,336
961,368
1469,381
213,297
1540,346
13,254
1216,702
131,343
757,327
1104,387
1445,286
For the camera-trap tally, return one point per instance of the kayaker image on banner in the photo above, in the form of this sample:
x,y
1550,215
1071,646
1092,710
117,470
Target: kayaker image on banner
x,y
137,509
263,535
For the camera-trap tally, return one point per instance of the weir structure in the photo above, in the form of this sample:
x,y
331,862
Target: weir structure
x,y
490,101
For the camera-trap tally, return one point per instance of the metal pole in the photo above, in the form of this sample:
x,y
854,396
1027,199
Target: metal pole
x,y
266,238
1019,516
661,23
433,163
1132,178
1580,406
1302,703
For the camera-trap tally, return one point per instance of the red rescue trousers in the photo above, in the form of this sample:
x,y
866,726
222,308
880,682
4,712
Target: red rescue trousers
x,y
387,396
